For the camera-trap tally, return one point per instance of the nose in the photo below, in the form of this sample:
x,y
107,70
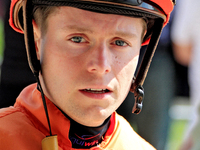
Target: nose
x,y
99,60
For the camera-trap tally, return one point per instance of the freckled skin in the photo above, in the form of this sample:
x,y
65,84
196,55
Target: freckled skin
x,y
96,61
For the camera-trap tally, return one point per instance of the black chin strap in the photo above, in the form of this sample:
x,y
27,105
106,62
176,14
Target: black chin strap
x,y
49,142
44,103
137,84
30,47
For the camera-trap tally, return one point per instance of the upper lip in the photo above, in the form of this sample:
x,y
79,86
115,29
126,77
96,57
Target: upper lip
x,y
97,88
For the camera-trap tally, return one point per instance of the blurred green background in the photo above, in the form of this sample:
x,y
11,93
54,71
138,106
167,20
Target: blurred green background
x,y
180,115
1,39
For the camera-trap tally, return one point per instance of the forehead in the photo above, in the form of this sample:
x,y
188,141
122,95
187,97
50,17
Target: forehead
x,y
74,18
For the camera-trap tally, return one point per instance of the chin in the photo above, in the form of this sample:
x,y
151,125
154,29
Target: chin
x,y
94,117
95,124
97,121
94,121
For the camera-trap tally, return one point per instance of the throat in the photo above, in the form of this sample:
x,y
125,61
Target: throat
x,y
86,137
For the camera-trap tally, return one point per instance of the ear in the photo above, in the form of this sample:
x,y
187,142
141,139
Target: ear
x,y
37,38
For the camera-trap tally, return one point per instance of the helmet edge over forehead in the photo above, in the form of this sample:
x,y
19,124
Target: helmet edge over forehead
x,y
165,5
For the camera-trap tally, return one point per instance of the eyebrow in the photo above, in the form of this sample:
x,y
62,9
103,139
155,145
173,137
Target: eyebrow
x,y
79,29
125,34
117,33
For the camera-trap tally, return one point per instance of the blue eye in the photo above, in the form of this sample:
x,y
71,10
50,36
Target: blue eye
x,y
78,39
120,43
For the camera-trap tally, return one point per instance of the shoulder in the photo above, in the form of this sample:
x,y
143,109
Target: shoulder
x,y
12,118
17,131
127,138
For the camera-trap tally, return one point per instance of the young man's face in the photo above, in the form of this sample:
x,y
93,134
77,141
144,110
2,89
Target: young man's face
x,y
88,61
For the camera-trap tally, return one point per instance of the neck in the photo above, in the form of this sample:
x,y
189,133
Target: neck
x,y
85,137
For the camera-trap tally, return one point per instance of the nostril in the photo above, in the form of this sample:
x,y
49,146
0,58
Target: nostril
x,y
98,67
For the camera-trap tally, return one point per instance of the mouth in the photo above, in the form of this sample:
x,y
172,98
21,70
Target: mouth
x,y
96,91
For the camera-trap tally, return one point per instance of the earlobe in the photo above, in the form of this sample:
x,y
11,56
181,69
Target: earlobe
x,y
37,36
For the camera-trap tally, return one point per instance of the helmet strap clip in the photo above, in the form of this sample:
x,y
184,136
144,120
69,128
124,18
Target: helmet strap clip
x,y
139,96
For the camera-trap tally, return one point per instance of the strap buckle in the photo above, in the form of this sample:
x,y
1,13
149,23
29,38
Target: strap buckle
x,y
139,96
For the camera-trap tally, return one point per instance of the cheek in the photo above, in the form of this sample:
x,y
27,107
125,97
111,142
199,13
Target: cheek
x,y
125,76
126,66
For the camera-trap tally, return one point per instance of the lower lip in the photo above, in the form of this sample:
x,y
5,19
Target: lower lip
x,y
96,95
